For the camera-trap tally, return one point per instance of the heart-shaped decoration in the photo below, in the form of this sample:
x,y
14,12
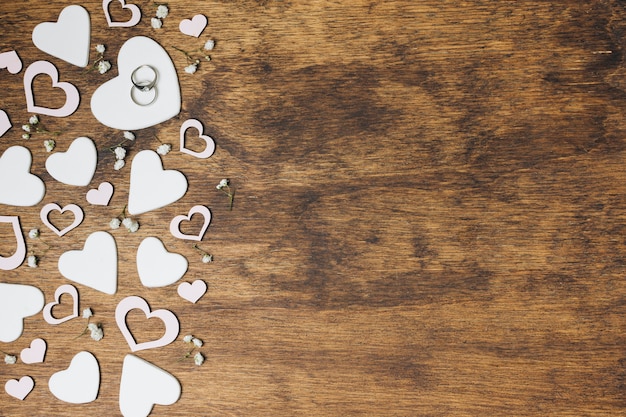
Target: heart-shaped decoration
x,y
18,187
175,223
11,262
73,208
172,326
112,104
68,38
17,302
192,292
5,123
80,382
95,266
210,143
152,187
100,196
194,26
77,165
11,61
47,310
19,389
143,385
72,97
35,353
156,266
135,14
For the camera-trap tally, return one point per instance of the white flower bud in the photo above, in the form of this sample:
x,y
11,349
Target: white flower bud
x,y
156,23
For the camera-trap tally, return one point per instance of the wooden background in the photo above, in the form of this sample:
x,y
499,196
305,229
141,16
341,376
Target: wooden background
x,y
430,214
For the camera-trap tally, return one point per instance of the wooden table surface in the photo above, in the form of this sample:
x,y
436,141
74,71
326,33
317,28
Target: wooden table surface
x,y
429,218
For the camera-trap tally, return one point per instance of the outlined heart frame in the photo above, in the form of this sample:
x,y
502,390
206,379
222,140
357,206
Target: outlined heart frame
x,y
210,143
72,208
176,221
72,97
134,18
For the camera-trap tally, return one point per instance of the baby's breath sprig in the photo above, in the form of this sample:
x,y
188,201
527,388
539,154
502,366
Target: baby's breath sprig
x,y
163,148
206,257
161,13
192,62
120,151
101,64
121,220
8,358
198,358
33,260
226,189
95,330
34,126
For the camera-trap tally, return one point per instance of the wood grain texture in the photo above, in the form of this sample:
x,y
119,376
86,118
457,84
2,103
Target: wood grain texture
x,y
429,217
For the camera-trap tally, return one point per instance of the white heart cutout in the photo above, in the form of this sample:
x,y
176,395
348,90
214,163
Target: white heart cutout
x,y
80,382
77,165
192,292
112,104
152,187
17,302
18,187
68,38
143,385
95,266
156,266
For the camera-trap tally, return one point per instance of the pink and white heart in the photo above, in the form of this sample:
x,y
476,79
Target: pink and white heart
x,y
19,389
172,326
47,310
73,208
176,221
210,143
134,18
100,196
194,26
72,97
35,353
192,292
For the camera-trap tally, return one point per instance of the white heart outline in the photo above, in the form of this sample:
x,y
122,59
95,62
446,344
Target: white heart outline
x,y
210,143
47,310
76,210
134,18
72,96
176,221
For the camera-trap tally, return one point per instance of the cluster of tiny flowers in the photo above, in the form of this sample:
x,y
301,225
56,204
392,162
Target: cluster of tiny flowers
x,y
130,224
161,13
33,126
164,149
206,257
101,64
192,62
223,183
33,233
9,359
198,358
29,127
33,261
87,313
96,331
49,144
120,151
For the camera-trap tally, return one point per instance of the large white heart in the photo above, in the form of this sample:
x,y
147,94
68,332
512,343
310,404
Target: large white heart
x,y
112,104
95,266
143,385
17,301
68,38
156,266
152,187
18,187
80,382
77,165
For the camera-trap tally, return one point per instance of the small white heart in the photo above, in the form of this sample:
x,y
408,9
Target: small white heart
x,y
156,266
143,385
152,187
77,165
100,196
18,187
17,302
35,353
192,292
80,382
68,38
19,389
95,266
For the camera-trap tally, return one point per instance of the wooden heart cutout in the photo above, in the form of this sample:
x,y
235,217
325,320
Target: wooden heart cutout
x,y
156,266
11,262
172,326
35,353
77,165
100,196
47,310
68,38
18,187
80,382
194,26
19,389
73,208
11,61
134,19
175,223
192,291
17,302
72,98
210,143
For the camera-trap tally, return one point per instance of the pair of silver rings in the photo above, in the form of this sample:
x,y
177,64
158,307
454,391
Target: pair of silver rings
x,y
144,79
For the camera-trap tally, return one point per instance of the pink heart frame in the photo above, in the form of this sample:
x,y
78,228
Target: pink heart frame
x,y
194,26
192,292
19,389
47,310
11,61
134,19
210,143
172,326
100,196
175,223
72,97
15,260
35,353
77,211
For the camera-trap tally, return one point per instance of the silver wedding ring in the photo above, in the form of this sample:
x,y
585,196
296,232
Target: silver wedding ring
x,y
144,79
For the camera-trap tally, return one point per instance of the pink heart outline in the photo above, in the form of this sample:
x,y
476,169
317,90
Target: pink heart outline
x,y
210,143
192,292
72,97
35,353
77,211
175,223
172,326
19,389
47,310
11,61
100,196
134,18
15,260
5,123
194,26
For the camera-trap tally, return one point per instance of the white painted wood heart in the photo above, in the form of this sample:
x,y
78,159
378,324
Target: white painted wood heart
x,y
68,38
80,382
18,187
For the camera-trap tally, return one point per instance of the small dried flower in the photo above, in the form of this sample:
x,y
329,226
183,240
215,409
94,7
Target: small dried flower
x,y
129,135
103,66
33,119
162,11
120,153
130,224
191,68
33,261
207,258
119,164
188,338
100,48
96,331
49,144
33,233
25,136
26,128
115,223
198,359
10,359
209,45
156,23
164,149
197,342
87,313
223,183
